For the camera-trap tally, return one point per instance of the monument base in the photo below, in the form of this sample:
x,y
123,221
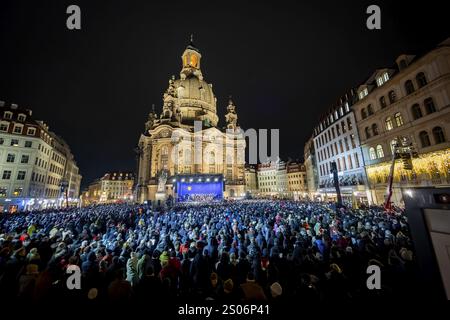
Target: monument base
x,y
160,199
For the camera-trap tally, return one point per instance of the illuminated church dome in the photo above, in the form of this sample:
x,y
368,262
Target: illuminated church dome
x,y
196,98
169,150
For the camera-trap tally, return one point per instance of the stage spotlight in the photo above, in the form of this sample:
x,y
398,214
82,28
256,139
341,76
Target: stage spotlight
x,y
174,180
190,180
182,180
207,180
199,179
216,179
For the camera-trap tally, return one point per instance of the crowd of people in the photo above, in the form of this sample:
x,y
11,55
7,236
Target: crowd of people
x,y
243,251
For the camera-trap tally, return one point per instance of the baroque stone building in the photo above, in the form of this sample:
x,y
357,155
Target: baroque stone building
x,y
336,140
37,167
113,187
406,106
185,139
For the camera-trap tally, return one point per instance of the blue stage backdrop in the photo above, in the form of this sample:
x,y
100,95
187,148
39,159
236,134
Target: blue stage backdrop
x,y
185,189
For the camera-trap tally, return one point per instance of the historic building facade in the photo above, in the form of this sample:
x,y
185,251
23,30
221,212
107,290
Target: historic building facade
x,y
113,187
282,179
185,139
336,140
407,107
296,180
36,166
251,180
267,179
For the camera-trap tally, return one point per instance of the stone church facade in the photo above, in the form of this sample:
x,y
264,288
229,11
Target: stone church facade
x,y
185,138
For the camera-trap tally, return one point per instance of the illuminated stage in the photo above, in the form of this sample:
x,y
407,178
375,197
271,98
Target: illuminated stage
x,y
198,187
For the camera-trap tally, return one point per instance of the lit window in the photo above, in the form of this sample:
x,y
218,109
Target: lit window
x,y
393,145
379,81
398,119
363,93
380,152
17,192
389,124
372,154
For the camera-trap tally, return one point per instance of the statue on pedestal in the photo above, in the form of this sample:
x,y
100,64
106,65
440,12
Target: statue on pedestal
x,y
151,119
162,181
231,117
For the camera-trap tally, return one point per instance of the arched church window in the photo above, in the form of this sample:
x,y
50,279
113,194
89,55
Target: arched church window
x,y
212,162
194,60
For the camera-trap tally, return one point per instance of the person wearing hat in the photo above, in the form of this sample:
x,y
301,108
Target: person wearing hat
x,y
229,295
275,290
252,291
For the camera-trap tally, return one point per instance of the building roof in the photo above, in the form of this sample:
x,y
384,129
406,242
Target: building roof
x,y
118,175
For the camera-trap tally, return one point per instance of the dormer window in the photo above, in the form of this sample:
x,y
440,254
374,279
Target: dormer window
x,y
31,131
7,115
336,114
382,79
363,93
18,129
347,107
21,117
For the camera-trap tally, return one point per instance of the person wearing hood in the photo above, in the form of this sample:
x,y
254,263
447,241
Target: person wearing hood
x,y
142,265
132,275
252,292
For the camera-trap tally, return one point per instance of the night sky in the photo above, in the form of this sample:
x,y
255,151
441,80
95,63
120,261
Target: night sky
x,y
283,62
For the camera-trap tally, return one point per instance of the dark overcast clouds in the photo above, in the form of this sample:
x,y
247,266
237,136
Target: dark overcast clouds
x,y
283,62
